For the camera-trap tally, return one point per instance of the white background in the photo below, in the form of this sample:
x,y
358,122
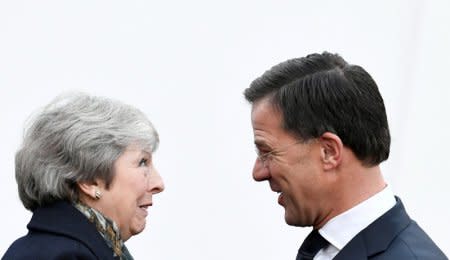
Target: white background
x,y
186,64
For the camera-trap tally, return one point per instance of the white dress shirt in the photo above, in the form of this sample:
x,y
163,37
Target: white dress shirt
x,y
342,228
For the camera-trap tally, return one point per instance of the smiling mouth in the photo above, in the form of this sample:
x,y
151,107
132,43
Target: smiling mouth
x,y
280,198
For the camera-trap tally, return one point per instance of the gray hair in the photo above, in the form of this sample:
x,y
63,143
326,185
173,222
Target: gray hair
x,y
76,138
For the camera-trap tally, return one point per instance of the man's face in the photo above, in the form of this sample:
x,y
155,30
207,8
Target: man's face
x,y
293,169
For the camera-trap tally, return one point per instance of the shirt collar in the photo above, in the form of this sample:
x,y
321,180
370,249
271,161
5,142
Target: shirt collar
x,y
342,228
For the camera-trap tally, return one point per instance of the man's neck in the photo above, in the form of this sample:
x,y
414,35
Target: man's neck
x,y
354,185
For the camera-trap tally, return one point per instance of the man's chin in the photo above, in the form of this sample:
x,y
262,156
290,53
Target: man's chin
x,y
294,221
289,220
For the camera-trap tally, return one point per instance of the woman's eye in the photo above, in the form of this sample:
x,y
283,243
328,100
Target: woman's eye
x,y
143,162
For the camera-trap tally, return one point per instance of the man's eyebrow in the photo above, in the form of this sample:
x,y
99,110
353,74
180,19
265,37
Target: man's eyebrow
x,y
261,144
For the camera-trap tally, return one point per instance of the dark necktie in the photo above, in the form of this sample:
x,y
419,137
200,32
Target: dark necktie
x,y
312,244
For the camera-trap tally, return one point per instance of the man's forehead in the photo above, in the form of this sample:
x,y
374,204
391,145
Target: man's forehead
x,y
267,124
264,116
264,102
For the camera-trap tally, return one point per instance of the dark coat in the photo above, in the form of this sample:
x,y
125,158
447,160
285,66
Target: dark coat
x,y
59,231
392,236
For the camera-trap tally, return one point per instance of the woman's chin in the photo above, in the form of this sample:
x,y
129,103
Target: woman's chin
x,y
138,228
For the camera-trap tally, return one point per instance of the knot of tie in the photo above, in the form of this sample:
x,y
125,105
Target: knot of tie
x,y
312,244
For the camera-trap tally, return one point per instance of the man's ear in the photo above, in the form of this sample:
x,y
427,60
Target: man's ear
x,y
90,189
331,150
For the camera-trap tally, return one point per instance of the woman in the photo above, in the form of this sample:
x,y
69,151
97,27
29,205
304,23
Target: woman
x,y
85,170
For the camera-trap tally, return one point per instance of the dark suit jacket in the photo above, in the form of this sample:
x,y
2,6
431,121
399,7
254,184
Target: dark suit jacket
x,y
59,231
392,236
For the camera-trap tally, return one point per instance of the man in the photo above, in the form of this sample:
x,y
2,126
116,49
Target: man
x,y
321,131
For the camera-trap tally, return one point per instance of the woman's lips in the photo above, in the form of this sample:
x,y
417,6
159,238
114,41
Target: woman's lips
x,y
144,208
144,211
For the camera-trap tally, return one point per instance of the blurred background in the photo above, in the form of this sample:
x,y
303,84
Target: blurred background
x,y
186,64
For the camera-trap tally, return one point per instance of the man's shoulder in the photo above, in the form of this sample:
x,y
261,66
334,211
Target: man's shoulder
x,y
394,235
412,243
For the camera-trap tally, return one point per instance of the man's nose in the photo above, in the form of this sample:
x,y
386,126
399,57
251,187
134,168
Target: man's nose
x,y
260,171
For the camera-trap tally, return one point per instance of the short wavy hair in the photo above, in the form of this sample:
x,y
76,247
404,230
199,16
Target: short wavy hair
x,y
323,93
76,138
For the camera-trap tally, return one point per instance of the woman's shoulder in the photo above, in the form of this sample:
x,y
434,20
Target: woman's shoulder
x,y
59,231
38,245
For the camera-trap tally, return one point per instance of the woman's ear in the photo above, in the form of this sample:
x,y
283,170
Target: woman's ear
x,y
90,190
331,150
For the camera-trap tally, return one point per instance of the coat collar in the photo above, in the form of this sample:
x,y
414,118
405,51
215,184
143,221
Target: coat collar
x,y
63,219
378,235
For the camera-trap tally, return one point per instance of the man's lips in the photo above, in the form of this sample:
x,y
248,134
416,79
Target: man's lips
x,y
274,187
280,198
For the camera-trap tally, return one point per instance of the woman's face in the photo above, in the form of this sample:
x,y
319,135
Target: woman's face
x,y
129,196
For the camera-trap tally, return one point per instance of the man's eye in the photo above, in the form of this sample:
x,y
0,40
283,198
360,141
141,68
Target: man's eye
x,y
263,153
143,162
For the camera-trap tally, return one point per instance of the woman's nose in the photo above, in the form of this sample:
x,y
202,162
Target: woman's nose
x,y
156,182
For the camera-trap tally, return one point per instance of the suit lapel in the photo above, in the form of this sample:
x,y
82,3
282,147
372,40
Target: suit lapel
x,y
378,235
